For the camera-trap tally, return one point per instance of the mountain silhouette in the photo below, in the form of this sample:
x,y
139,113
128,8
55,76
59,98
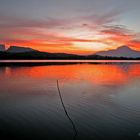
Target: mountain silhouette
x,y
123,51
17,49
17,52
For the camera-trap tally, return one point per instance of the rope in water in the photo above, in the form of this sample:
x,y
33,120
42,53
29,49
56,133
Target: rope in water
x,y
65,110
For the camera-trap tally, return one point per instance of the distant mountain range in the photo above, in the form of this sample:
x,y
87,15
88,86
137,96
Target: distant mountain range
x,y
17,52
123,51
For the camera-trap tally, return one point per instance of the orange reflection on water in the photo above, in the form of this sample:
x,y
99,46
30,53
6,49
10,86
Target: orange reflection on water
x,y
93,73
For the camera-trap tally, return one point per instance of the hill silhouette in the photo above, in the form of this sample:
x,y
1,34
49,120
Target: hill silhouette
x,y
22,53
123,51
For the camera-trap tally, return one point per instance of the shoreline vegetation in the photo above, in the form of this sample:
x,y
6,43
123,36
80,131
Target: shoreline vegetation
x,y
36,55
28,64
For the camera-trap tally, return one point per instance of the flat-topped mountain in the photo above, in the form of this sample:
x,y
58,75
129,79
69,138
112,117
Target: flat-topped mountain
x,y
18,52
17,49
123,51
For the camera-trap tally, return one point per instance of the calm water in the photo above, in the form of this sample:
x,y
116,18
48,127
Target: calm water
x,y
103,100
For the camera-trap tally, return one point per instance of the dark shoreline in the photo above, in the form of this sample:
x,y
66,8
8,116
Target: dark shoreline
x,y
59,63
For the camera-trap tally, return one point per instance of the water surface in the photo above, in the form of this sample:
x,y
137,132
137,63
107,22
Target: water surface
x,y
103,100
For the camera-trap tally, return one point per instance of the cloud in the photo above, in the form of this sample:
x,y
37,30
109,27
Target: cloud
x,y
54,33
121,35
98,20
7,21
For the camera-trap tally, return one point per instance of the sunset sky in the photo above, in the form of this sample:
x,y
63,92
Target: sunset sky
x,y
71,26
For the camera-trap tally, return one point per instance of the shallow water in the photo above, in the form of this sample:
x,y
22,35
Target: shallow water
x,y
103,100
